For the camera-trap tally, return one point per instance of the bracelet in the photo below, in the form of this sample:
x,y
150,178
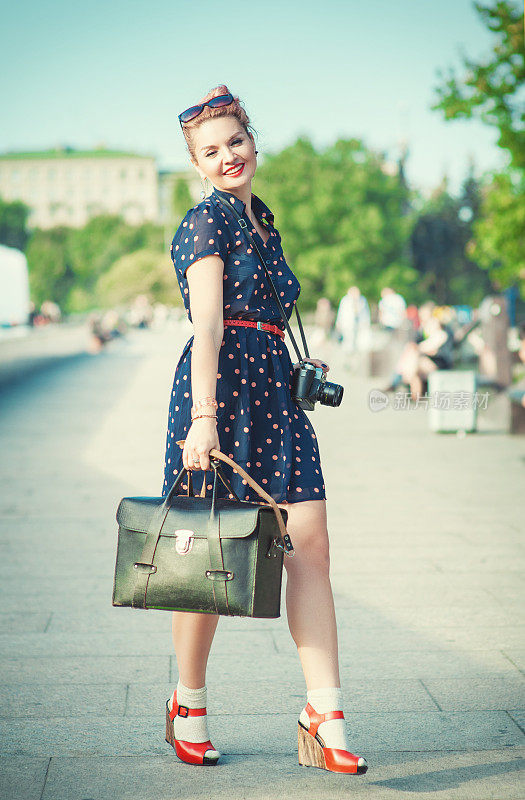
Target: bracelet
x,y
200,416
205,401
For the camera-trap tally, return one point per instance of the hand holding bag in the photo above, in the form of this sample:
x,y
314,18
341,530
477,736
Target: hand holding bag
x,y
208,555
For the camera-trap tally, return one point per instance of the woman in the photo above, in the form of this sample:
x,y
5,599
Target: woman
x,y
431,347
238,377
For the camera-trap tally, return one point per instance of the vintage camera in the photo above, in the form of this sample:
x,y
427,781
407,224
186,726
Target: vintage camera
x,y
309,384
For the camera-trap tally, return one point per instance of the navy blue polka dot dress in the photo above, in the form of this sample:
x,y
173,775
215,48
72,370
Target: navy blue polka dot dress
x,y
258,423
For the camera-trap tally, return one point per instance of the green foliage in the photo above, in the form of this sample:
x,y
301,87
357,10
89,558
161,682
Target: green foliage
x,y
51,274
13,220
439,243
341,218
65,264
144,271
96,246
491,88
181,199
499,243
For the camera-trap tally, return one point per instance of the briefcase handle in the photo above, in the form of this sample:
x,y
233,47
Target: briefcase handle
x,y
218,456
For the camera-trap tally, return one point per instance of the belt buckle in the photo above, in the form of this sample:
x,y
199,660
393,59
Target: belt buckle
x,y
259,323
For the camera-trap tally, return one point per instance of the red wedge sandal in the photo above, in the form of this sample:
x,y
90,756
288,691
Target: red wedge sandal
x,y
190,752
314,753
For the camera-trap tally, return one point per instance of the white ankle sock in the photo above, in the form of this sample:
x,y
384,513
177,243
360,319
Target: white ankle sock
x,y
191,729
333,731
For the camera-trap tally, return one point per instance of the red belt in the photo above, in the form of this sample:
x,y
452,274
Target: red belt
x,y
261,326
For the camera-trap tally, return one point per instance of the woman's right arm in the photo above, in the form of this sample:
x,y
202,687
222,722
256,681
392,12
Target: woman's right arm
x,y
205,284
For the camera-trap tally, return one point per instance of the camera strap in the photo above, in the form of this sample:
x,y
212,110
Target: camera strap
x,y
243,224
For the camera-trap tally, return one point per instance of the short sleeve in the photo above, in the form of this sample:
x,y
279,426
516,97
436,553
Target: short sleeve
x,y
201,233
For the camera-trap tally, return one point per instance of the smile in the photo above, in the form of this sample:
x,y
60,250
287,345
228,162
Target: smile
x,y
235,170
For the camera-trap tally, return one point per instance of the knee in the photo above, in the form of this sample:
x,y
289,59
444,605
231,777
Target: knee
x,y
312,550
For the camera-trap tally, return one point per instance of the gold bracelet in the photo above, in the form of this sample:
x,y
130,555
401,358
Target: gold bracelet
x,y
205,401
199,416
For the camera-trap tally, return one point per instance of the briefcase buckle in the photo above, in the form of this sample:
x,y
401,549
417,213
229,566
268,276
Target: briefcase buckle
x,y
183,541
149,568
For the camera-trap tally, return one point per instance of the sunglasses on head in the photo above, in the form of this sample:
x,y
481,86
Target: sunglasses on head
x,y
215,102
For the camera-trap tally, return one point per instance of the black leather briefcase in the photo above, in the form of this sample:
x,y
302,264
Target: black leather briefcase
x,y
205,554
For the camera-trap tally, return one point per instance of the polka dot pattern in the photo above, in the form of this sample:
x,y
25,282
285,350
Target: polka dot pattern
x,y
258,423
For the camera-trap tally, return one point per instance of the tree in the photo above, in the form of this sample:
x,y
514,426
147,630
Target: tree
x,y
340,216
499,241
181,198
65,264
439,246
492,89
51,273
142,272
13,221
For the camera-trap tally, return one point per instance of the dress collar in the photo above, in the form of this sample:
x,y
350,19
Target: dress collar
x,y
260,209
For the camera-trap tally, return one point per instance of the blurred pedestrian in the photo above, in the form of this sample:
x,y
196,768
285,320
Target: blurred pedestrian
x,y
392,309
353,321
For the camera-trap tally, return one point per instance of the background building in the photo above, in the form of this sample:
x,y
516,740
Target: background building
x,y
65,186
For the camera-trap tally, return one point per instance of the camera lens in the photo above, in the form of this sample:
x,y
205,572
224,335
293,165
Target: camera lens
x,y
331,394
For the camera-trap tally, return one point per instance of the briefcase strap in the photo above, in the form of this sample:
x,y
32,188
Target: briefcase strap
x,y
285,537
218,583
145,567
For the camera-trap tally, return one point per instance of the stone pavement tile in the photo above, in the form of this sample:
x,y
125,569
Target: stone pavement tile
x,y
134,620
518,715
482,638
360,665
64,562
53,529
28,622
439,616
77,502
408,594
81,586
275,695
61,700
454,776
125,644
508,597
497,562
516,656
51,601
374,562
422,664
491,693
22,778
277,666
489,580
51,593
272,733
84,669
110,620
393,637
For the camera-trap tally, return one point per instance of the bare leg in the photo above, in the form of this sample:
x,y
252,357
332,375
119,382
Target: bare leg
x,y
425,366
192,637
309,599
408,362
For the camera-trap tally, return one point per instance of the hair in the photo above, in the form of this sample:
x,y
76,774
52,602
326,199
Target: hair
x,y
234,109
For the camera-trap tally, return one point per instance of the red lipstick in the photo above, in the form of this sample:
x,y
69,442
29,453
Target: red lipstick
x,y
234,172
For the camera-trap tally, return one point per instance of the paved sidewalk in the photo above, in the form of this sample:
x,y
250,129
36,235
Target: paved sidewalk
x,y
427,568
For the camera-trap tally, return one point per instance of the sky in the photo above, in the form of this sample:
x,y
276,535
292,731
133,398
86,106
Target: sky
x,y
118,72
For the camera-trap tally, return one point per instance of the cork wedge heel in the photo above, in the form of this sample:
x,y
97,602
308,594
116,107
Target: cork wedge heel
x,y
190,752
312,751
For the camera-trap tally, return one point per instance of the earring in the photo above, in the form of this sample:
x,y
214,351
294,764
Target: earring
x,y
203,191
256,152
